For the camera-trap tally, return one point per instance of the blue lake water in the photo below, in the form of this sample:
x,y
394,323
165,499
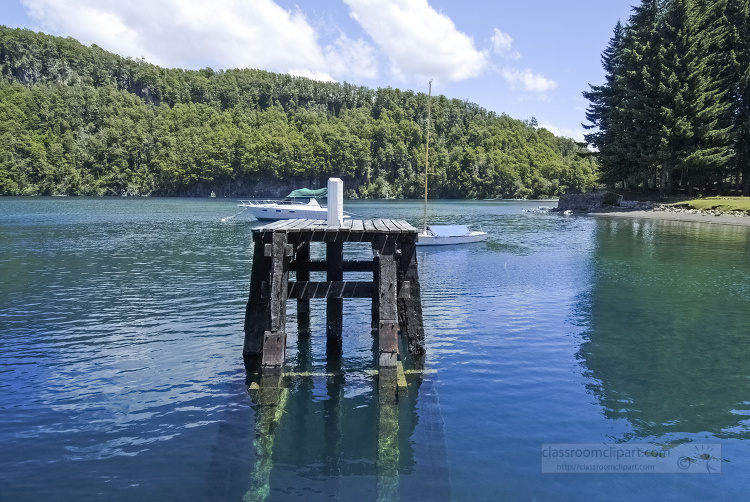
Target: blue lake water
x,y
121,371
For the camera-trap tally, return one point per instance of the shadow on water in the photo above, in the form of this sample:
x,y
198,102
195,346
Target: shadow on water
x,y
682,367
325,434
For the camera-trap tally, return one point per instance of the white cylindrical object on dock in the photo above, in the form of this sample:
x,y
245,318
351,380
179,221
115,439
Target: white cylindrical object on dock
x,y
335,202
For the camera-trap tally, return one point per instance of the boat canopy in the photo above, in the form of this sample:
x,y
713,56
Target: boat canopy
x,y
448,230
306,192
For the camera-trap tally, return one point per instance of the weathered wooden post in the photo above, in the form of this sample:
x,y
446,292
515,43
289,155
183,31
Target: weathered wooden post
x,y
274,340
334,305
258,306
302,259
265,317
385,289
410,302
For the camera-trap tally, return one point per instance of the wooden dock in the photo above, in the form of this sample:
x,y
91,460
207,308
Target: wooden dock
x,y
282,268
282,248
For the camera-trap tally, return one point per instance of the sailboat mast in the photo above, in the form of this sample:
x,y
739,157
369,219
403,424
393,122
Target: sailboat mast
x,y
427,155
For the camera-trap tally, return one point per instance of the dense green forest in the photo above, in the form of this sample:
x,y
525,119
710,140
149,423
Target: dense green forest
x,y
674,112
82,121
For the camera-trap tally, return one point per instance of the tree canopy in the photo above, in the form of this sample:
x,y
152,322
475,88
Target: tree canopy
x,y
674,111
81,120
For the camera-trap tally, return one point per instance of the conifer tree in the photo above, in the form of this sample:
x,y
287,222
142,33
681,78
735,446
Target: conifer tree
x,y
737,46
676,96
606,102
641,115
694,134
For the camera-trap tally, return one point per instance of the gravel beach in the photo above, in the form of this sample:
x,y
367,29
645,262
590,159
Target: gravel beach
x,y
684,216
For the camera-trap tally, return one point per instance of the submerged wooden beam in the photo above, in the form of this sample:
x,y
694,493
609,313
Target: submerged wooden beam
x,y
271,400
388,444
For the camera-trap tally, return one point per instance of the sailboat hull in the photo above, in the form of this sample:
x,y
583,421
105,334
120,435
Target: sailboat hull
x,y
438,240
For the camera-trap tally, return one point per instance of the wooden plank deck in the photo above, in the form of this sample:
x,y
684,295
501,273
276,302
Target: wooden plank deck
x,y
376,225
351,230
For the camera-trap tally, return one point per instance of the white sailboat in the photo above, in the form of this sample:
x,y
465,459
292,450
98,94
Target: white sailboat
x,y
441,235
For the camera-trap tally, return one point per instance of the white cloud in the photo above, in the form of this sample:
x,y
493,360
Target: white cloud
x,y
418,40
576,134
502,44
314,75
353,57
528,80
198,33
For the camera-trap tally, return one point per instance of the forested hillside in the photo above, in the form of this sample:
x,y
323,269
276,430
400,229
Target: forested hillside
x,y
674,112
81,121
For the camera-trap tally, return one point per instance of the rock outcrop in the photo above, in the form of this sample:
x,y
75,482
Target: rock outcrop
x,y
587,202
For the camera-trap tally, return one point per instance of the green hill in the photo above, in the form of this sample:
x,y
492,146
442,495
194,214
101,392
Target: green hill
x,y
82,121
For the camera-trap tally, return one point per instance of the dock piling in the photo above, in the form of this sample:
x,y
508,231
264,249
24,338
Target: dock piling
x,y
334,304
284,246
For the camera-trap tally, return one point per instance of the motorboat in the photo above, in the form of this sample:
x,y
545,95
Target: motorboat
x,y
301,203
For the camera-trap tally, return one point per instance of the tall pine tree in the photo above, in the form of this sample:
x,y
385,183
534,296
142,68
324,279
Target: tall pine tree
x,y
641,115
737,46
606,102
694,135
674,93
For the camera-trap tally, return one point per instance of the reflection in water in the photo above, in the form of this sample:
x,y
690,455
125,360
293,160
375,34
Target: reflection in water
x,y
267,418
327,434
388,445
332,451
663,351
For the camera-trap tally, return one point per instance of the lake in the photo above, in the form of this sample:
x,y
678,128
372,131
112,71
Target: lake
x,y
122,378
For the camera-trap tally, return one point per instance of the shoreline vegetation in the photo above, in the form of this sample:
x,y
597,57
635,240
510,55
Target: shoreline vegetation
x,y
78,120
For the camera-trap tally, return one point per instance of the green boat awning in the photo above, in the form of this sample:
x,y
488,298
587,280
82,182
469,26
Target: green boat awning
x,y
306,192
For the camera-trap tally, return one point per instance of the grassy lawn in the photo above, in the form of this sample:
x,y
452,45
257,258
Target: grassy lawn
x,y
725,204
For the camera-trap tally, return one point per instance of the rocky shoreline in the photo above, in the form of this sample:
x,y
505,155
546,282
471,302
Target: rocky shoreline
x,y
669,213
592,205
688,210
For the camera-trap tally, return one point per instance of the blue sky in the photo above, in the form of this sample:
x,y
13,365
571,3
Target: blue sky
x,y
524,58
